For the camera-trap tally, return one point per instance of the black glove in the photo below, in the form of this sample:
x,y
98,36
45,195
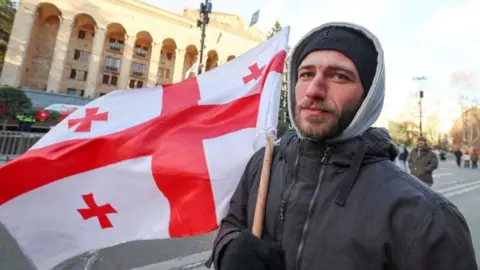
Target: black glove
x,y
248,252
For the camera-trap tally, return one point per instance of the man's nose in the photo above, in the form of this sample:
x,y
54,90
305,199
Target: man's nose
x,y
317,88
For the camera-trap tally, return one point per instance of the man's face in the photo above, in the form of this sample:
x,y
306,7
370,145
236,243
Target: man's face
x,y
328,94
421,143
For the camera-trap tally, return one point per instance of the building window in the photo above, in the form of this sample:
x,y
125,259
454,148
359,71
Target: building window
x,y
76,55
138,69
106,79
139,84
81,55
115,45
81,34
72,91
73,73
132,84
79,75
164,73
141,51
112,64
114,80
82,93
103,94
166,56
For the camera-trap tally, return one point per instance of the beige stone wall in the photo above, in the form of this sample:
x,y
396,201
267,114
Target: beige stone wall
x,y
171,41
40,53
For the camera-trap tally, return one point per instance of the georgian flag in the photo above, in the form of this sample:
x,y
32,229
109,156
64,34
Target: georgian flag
x,y
150,163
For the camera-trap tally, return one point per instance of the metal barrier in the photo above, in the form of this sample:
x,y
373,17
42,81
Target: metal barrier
x,y
14,143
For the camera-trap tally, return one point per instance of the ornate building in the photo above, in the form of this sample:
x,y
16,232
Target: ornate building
x,y
90,47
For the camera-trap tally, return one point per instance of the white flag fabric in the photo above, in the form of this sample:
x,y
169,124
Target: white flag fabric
x,y
150,163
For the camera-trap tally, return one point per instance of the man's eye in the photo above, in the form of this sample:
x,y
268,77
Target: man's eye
x,y
340,76
306,75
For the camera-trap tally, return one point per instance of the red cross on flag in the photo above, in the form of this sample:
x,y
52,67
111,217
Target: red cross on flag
x,y
150,163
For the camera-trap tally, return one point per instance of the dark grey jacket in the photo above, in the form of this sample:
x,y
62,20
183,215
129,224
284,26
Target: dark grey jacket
x,y
422,162
349,207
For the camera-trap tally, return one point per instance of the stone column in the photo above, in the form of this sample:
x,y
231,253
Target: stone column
x,y
126,65
17,48
59,55
178,72
94,62
154,64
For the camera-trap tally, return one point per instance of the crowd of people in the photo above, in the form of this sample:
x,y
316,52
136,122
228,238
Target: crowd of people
x,y
424,157
469,158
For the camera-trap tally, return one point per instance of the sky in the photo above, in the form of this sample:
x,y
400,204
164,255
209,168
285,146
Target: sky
x,y
431,38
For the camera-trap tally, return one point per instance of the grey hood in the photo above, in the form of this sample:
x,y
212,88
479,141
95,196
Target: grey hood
x,y
373,103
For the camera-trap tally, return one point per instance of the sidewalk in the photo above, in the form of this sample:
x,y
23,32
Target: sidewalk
x,y
192,262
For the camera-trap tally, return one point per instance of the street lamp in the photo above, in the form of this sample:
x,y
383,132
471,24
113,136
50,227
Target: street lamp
x,y
420,96
205,9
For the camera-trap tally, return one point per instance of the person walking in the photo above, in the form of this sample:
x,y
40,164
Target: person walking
x,y
458,157
474,158
466,160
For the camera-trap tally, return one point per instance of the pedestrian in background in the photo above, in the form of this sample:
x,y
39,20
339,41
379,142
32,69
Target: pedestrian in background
x,y
458,156
474,158
466,160
423,161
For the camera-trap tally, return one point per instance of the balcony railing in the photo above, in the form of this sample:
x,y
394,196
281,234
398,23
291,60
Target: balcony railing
x,y
138,74
115,48
141,54
111,68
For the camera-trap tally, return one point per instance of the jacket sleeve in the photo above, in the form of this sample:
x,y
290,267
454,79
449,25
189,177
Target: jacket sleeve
x,y
236,219
441,241
432,163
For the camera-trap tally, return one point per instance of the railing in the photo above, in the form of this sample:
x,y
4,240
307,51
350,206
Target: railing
x,y
14,143
115,48
138,74
111,68
141,54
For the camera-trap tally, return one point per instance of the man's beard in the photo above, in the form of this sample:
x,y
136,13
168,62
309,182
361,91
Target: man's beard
x,y
320,128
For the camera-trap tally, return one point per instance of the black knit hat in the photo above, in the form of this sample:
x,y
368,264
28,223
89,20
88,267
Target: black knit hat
x,y
353,44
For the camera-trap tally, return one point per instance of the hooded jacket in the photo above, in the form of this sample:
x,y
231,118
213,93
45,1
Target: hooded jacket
x,y
344,204
422,162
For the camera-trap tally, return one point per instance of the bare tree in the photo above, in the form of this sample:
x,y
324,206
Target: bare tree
x,y
464,82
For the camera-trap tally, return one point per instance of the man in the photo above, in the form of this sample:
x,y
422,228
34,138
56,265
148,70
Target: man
x,y
423,161
458,156
336,199
474,158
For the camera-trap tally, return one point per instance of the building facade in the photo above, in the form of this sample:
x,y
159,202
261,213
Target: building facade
x,y
90,47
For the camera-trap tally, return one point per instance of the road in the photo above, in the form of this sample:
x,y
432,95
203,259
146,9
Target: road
x,y
461,186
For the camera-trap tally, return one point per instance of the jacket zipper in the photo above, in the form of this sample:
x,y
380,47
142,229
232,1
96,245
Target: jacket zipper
x,y
289,190
312,203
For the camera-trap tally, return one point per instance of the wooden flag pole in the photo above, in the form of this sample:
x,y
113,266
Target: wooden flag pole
x,y
263,189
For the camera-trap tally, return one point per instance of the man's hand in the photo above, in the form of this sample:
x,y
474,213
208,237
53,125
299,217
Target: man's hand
x,y
247,252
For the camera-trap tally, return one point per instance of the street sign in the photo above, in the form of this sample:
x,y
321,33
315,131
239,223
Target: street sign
x,y
255,17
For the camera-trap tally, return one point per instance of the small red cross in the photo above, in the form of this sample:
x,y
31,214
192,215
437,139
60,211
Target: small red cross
x,y
85,124
255,73
99,212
